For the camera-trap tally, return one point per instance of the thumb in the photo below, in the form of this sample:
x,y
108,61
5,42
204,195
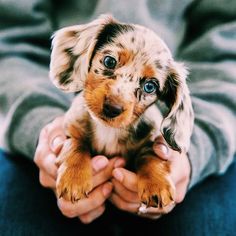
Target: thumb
x,y
161,148
57,143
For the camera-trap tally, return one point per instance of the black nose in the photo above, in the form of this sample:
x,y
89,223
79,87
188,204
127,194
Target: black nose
x,y
112,110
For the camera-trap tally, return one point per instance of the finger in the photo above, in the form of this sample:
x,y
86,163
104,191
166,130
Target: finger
x,y
123,205
151,216
124,193
45,160
95,199
43,135
181,189
56,134
180,168
48,165
127,178
42,147
92,215
143,209
161,148
56,143
106,174
46,180
99,163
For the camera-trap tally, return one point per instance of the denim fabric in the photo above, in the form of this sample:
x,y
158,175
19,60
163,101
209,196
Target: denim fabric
x,y
28,209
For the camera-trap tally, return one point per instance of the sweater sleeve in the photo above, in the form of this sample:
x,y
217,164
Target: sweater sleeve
x,y
210,51
28,100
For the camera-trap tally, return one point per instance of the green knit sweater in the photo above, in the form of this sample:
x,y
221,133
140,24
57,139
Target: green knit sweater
x,y
201,33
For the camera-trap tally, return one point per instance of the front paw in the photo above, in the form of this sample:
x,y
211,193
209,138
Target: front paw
x,y
158,193
73,183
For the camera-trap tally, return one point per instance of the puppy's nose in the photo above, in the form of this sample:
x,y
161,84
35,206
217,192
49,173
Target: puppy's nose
x,y
112,110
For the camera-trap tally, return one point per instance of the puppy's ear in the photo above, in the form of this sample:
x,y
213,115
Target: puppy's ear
x,y
71,51
177,126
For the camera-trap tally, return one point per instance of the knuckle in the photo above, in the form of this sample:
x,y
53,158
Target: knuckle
x,y
85,219
38,155
101,210
185,173
36,158
44,131
68,214
94,203
97,200
40,160
179,198
121,205
42,179
66,211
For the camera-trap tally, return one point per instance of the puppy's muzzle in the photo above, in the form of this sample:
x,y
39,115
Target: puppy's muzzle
x,y
112,110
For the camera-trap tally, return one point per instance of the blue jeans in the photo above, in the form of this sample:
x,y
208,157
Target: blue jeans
x,y
26,208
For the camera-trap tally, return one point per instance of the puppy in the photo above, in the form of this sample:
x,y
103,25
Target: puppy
x,y
121,71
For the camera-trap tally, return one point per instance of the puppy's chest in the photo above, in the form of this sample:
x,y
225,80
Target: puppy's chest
x,y
112,142
108,141
127,142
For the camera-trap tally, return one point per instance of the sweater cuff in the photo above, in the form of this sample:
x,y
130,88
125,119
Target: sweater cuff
x,y
25,136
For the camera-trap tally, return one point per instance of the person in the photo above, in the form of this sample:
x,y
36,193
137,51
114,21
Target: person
x,y
201,33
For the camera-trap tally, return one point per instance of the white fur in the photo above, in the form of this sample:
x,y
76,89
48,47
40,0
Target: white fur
x,y
107,138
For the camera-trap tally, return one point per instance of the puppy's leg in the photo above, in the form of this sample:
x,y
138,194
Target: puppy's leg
x,y
74,179
155,187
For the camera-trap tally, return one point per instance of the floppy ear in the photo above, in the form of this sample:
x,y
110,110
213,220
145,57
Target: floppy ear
x,y
177,126
71,51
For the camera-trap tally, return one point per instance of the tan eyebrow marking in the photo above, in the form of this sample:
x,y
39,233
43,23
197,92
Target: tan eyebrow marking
x,y
125,56
107,51
148,71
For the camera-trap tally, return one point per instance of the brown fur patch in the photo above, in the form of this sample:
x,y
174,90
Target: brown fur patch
x,y
148,72
138,110
125,56
154,188
97,89
75,172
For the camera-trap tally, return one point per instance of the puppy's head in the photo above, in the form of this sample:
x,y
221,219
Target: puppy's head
x,y
122,70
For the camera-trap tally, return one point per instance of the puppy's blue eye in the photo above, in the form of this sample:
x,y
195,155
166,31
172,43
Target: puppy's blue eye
x,y
109,62
149,87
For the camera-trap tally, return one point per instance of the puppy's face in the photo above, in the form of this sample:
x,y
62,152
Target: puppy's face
x,y
122,70
127,73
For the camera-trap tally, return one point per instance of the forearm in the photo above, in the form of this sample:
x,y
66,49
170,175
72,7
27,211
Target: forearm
x,y
211,57
212,148
27,104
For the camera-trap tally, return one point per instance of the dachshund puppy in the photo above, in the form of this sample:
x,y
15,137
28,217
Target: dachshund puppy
x,y
121,71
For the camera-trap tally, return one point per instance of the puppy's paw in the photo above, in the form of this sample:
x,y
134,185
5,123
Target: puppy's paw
x,y
73,183
158,193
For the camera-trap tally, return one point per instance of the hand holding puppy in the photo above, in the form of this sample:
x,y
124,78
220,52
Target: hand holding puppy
x,y
124,182
50,143
125,191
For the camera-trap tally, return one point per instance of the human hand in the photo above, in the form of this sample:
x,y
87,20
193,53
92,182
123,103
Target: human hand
x,y
51,140
125,190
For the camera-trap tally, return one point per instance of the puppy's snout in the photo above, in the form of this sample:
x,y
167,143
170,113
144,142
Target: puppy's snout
x,y
112,110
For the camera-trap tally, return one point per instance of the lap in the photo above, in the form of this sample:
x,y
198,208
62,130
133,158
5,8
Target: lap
x,y
28,209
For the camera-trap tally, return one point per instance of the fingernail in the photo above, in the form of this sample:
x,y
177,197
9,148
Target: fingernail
x,y
162,148
56,142
120,162
100,163
106,189
118,175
